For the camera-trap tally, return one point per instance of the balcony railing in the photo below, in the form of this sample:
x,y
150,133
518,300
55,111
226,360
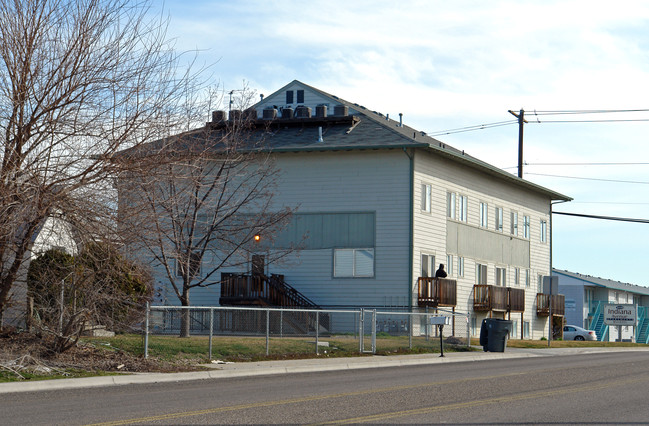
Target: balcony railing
x,y
435,292
496,298
543,304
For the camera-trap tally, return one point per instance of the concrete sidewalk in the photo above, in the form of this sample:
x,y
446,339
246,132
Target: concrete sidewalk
x,y
246,369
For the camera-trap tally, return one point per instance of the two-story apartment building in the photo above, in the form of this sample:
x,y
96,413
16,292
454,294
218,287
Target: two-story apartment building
x,y
382,205
585,297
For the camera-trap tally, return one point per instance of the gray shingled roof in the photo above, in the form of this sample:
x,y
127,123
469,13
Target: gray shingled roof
x,y
603,282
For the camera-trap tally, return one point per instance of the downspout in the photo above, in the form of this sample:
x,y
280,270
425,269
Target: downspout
x,y
411,226
551,243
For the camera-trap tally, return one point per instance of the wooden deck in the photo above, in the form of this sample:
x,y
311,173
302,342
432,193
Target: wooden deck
x,y
434,292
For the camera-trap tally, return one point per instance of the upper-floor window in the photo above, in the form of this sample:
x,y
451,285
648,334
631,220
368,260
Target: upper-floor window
x,y
427,265
193,263
464,208
513,223
449,264
480,273
426,196
450,205
517,276
483,215
460,266
526,227
527,278
300,96
499,219
501,277
544,230
289,96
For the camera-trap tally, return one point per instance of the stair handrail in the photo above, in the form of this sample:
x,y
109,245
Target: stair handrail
x,y
279,284
601,330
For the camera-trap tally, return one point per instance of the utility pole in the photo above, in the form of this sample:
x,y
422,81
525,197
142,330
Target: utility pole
x,y
521,122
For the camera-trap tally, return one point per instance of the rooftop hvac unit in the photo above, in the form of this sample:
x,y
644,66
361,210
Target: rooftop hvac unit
x,y
303,112
218,116
235,114
270,114
287,113
321,111
250,114
341,110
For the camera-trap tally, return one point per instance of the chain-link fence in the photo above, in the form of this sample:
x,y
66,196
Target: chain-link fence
x,y
290,331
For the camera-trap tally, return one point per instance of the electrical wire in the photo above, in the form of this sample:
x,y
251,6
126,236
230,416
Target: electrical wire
x,y
472,128
594,179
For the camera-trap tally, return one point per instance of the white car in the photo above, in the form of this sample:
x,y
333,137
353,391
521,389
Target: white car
x,y
572,332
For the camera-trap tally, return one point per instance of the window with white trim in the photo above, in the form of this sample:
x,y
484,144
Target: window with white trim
x,y
501,277
499,219
484,214
526,227
480,273
527,278
513,223
514,334
194,264
427,265
426,196
544,231
517,276
450,205
460,266
464,208
353,263
526,329
449,264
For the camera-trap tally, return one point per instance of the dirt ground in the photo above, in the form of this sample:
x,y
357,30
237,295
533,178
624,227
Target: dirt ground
x,y
28,353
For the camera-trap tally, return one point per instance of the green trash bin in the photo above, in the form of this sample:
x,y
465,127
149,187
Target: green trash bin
x,y
497,331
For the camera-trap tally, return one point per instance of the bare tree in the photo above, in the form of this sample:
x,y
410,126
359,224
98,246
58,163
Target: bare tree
x,y
79,81
199,213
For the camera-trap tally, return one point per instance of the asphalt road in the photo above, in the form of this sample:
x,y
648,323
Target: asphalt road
x,y
588,388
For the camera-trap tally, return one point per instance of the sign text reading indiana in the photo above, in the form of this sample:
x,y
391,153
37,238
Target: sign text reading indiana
x,y
620,314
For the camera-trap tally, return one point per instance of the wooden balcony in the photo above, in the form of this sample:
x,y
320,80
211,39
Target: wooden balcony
x,y
543,304
495,298
434,292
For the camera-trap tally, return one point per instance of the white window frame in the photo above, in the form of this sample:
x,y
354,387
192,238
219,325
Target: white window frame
x,y
464,208
481,271
426,197
526,227
527,278
544,231
517,277
430,264
526,329
513,226
484,214
451,205
355,253
499,219
501,276
460,266
449,264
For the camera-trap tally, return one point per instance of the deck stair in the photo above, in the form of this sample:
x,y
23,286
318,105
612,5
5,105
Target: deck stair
x,y
642,334
598,323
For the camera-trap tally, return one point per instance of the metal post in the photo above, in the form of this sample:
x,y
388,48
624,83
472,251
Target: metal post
x,y
62,305
211,332
267,332
361,320
374,331
427,325
146,331
441,340
410,330
317,326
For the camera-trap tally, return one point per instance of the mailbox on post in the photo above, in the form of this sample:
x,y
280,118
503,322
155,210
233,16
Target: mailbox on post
x,y
440,321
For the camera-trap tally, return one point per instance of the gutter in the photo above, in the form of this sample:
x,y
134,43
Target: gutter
x,y
411,230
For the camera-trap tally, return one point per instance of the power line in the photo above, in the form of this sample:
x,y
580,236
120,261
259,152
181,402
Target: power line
x,y
614,218
584,164
595,179
472,128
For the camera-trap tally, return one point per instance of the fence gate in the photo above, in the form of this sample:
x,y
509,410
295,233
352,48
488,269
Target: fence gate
x,y
367,331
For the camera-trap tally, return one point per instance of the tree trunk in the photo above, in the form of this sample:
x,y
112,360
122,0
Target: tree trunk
x,y
185,315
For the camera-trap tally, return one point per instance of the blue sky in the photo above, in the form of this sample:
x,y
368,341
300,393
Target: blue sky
x,y
448,65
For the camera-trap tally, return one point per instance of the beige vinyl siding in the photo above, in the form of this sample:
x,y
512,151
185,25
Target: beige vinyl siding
x,y
437,234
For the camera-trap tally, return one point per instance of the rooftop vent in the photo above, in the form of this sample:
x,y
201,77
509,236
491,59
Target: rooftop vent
x,y
218,116
400,120
303,112
287,113
341,110
320,134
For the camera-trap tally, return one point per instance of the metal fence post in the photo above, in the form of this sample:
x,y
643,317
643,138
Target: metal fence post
x,y
146,331
211,332
427,325
361,320
410,331
267,331
317,326
374,331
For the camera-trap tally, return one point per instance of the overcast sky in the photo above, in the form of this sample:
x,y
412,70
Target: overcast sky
x,y
455,64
